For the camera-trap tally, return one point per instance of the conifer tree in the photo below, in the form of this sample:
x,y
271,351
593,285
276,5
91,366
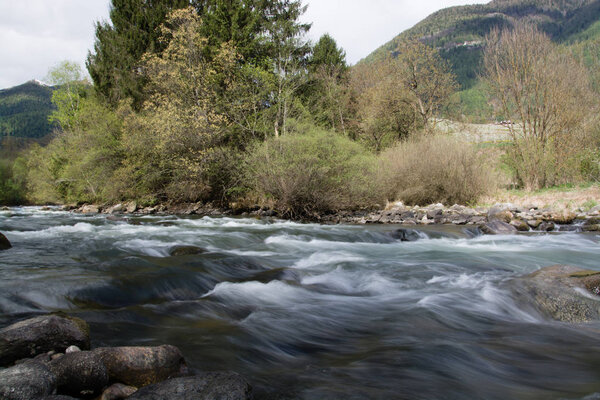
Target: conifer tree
x,y
134,30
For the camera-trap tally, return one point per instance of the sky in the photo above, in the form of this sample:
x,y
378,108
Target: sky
x,y
36,35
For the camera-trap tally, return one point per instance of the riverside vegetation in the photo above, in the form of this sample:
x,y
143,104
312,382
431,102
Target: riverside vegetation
x,y
229,104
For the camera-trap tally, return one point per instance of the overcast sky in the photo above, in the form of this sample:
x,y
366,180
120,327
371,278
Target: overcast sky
x,y
37,34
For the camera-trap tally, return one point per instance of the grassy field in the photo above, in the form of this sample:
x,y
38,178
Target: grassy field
x,y
582,197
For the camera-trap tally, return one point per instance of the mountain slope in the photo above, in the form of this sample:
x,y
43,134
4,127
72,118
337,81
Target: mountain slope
x,y
24,110
459,32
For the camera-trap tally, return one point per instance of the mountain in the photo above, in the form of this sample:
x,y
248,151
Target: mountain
x,y
459,32
24,111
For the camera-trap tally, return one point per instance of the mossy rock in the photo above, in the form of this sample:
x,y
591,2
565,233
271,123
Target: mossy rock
x,y
561,292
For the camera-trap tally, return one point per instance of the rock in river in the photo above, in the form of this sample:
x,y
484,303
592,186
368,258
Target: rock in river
x,y
26,381
4,243
208,386
497,227
141,366
38,335
80,374
564,293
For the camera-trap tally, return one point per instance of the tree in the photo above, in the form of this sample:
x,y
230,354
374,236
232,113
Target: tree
x,y
547,93
115,63
328,88
72,88
288,51
426,76
171,140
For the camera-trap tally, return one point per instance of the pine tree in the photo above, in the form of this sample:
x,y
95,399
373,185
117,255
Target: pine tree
x,y
134,30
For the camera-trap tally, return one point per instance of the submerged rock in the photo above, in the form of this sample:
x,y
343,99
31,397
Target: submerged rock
x,y
141,366
38,335
185,251
26,381
208,386
498,227
4,243
561,292
406,235
79,374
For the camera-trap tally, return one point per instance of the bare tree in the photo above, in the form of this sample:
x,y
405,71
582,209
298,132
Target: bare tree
x,y
546,92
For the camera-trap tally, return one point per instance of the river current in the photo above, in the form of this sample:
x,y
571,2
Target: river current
x,y
308,311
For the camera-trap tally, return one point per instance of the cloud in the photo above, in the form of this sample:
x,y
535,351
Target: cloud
x,y
38,34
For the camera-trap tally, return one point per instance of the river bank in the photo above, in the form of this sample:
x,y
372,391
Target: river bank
x,y
512,217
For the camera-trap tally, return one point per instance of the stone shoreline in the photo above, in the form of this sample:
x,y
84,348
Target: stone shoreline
x,y
522,219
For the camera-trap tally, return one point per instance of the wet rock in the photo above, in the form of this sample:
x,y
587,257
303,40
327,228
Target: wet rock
x,y
520,225
591,228
208,386
406,235
141,366
118,391
561,292
26,381
59,397
546,226
39,335
497,227
592,221
4,243
79,374
185,251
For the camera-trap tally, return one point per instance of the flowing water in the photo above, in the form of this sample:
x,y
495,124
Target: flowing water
x,y
307,311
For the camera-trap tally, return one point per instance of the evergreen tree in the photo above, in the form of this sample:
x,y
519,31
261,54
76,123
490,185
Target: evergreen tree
x,y
134,30
288,50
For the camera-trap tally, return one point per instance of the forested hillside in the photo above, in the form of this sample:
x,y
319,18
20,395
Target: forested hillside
x,y
459,32
24,110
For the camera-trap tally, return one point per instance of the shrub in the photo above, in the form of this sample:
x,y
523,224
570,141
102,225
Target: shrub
x,y
318,171
434,168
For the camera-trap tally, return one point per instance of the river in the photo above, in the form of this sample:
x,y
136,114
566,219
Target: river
x,y
308,311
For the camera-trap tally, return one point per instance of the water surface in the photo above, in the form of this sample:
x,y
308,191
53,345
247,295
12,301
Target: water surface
x,y
308,311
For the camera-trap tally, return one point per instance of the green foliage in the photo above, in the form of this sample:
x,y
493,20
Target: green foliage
x,y
317,171
24,111
436,169
12,182
119,46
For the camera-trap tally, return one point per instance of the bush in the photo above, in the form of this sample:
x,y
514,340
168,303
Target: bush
x,y
317,171
435,168
12,186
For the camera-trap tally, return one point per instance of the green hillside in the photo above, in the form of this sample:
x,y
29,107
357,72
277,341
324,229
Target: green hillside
x,y
459,32
24,111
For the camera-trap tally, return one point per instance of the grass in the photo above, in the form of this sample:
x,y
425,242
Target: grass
x,y
565,197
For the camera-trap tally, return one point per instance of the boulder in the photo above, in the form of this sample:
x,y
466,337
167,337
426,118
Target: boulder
x,y
90,209
563,218
520,225
79,374
38,335
115,209
26,381
4,243
177,251
131,207
500,213
117,391
141,366
534,223
547,226
406,235
207,386
497,227
591,228
561,292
